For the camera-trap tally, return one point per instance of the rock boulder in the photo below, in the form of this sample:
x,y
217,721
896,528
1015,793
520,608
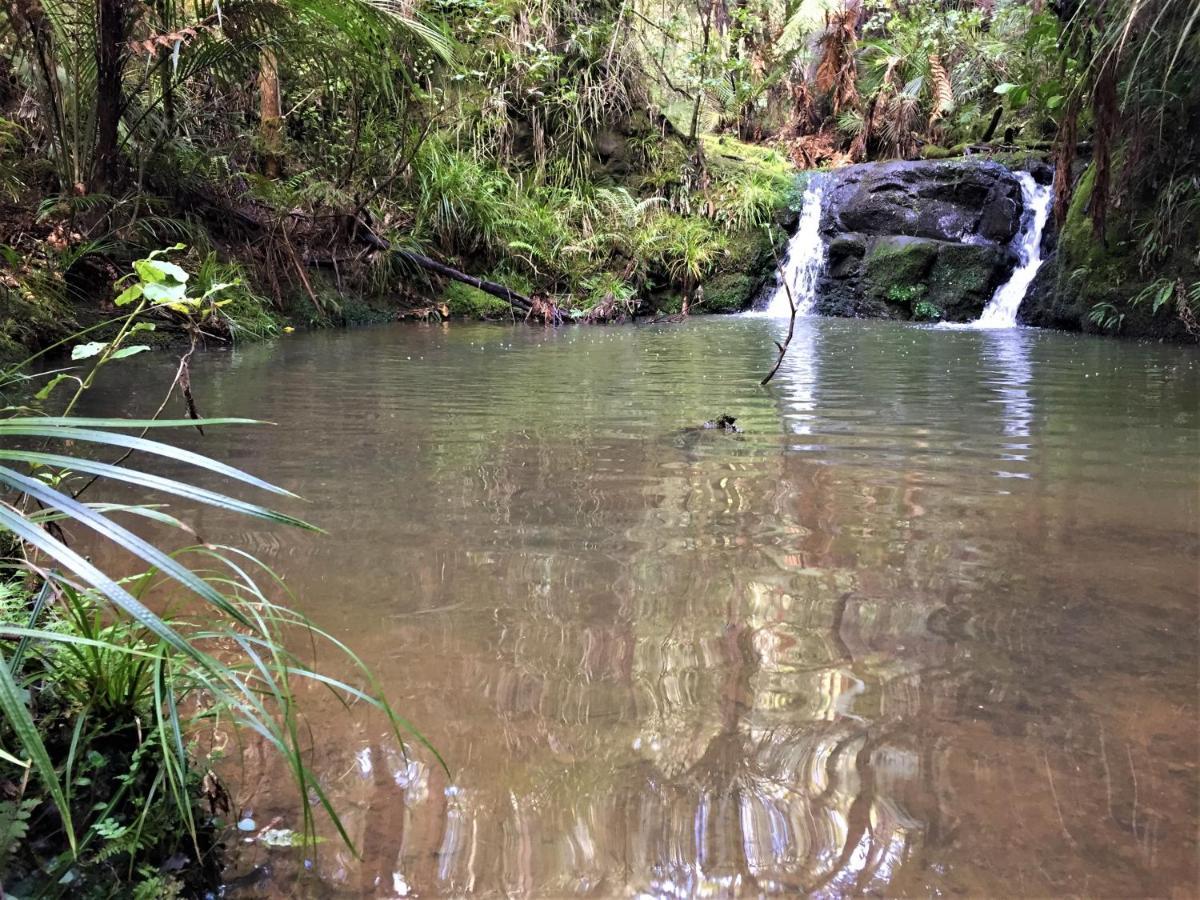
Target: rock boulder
x,y
926,239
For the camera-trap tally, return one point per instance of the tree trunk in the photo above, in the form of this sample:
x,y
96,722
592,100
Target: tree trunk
x,y
706,12
270,114
110,62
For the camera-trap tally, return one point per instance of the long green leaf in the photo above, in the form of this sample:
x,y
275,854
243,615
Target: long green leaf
x,y
122,537
117,595
84,422
155,483
146,446
12,704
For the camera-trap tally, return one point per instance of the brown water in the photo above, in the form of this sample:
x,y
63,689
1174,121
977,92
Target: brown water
x,y
929,626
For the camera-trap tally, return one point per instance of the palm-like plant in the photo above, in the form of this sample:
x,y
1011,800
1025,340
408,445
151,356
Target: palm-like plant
x,y
228,662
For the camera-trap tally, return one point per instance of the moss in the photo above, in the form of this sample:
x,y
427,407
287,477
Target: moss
x,y
356,309
924,311
29,320
963,279
933,151
464,300
896,261
731,292
1091,272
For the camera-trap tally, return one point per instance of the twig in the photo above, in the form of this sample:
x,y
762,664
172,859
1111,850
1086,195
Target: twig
x,y
180,374
791,305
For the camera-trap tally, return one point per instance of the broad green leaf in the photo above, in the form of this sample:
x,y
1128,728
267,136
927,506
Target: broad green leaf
x,y
217,288
127,296
142,326
166,292
54,382
164,251
88,350
1005,88
130,351
157,271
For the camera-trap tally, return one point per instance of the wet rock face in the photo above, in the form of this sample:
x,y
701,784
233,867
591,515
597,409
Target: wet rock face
x,y
926,239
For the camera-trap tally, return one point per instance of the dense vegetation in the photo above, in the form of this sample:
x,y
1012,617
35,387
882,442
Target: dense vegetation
x,y
597,158
326,161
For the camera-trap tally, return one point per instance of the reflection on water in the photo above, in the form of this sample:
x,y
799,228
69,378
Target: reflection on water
x,y
844,652
797,378
1007,351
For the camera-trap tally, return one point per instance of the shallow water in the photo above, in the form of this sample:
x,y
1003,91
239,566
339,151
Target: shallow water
x,y
928,626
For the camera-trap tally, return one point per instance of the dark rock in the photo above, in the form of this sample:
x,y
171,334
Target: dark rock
x,y
964,277
895,264
924,239
844,254
730,292
949,200
609,144
723,422
1043,305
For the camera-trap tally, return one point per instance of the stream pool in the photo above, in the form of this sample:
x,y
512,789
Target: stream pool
x,y
928,626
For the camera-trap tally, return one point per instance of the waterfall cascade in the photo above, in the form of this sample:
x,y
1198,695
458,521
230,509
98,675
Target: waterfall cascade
x,y
1001,310
805,257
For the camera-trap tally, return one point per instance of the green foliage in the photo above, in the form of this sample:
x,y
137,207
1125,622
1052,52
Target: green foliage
x,y
101,695
244,313
924,311
907,294
1107,316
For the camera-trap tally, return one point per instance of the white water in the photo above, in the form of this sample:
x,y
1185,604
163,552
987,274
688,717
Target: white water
x,y
1001,310
805,258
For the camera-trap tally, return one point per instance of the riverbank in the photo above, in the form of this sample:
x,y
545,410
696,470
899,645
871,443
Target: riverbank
x,y
683,228
928,240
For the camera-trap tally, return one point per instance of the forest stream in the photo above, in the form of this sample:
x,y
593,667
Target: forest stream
x,y
927,626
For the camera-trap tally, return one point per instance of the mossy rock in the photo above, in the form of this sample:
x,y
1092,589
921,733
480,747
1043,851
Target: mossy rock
x,y
1085,274
464,300
895,262
731,292
845,253
933,151
359,310
964,277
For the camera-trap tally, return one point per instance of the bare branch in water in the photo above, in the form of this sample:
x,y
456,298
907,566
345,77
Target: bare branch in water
x,y
791,305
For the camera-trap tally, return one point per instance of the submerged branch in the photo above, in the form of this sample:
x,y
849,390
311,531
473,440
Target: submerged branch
x,y
791,321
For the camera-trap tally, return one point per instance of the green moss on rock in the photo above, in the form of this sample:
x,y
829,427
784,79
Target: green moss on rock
x,y
464,300
730,292
963,279
896,262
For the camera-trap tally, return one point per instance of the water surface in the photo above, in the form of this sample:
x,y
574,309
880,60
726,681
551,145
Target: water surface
x,y
929,626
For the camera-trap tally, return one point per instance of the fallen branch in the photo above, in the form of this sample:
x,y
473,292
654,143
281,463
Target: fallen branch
x,y
508,295
787,288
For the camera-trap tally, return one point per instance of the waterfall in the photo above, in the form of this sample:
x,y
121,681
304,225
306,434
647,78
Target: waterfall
x,y
1001,310
805,257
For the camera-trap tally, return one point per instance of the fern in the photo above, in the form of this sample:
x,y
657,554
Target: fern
x,y
14,826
